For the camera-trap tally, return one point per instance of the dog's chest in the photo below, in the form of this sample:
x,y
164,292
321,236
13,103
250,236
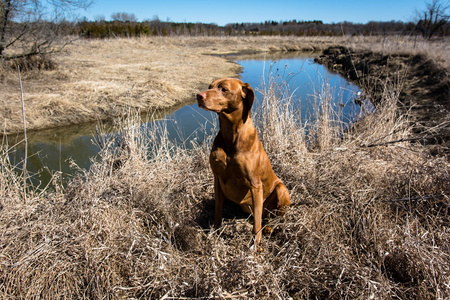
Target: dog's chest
x,y
231,175
225,165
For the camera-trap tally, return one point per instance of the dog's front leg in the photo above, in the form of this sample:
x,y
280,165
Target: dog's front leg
x,y
219,198
257,195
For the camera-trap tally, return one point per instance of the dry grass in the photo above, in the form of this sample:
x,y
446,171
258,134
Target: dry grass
x,y
100,79
364,222
437,50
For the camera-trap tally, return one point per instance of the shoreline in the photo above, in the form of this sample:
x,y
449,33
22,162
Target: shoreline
x,y
423,87
98,80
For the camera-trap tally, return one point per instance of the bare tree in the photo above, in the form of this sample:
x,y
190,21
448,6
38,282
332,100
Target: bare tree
x,y
124,17
32,27
433,18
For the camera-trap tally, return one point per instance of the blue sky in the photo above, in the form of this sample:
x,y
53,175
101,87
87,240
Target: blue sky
x,y
232,11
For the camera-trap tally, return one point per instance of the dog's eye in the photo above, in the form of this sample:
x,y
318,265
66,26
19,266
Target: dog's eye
x,y
224,90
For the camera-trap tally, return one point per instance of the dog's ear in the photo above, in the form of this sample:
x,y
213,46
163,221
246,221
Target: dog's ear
x,y
248,96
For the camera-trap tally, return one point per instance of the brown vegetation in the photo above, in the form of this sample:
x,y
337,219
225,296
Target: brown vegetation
x,y
364,222
423,85
99,79
127,26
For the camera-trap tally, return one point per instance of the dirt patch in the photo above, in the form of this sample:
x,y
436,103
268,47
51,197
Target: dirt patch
x,y
422,85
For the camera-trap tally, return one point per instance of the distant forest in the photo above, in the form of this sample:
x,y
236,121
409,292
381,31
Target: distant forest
x,y
119,28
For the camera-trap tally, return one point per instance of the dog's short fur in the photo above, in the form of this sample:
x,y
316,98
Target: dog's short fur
x,y
242,170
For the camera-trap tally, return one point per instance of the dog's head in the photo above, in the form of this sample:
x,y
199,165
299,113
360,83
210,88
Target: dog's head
x,y
227,95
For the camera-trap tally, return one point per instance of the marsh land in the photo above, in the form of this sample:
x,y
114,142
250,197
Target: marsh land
x,y
100,79
370,213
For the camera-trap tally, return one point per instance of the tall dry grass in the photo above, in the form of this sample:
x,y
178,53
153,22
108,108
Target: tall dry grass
x,y
11,181
365,222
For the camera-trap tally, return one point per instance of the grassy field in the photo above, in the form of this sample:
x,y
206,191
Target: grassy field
x,y
366,221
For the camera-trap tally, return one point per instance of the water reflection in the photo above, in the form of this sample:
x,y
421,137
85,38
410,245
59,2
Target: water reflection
x,y
54,150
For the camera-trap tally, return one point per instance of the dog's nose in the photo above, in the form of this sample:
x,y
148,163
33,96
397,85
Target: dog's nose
x,y
201,96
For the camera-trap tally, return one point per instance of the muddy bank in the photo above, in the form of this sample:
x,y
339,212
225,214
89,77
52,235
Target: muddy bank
x,y
422,85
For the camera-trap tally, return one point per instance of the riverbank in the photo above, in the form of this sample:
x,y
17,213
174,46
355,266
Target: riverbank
x,y
102,79
98,80
422,85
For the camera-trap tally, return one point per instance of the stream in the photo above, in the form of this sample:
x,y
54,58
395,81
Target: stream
x,y
49,151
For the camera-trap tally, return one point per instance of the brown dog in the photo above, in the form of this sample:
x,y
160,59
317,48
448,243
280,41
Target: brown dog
x,y
242,170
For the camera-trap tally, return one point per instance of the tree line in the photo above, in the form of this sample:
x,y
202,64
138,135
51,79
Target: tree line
x,y
121,28
30,28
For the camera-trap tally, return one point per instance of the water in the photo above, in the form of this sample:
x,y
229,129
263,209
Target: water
x,y
52,150
297,76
